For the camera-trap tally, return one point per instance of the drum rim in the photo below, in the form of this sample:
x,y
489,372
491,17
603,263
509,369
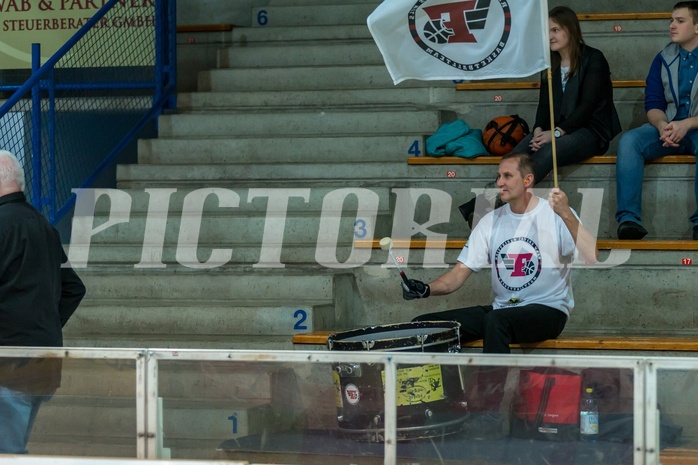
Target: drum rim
x,y
407,342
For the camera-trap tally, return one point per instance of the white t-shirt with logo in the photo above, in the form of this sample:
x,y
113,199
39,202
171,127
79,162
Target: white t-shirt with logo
x,y
529,254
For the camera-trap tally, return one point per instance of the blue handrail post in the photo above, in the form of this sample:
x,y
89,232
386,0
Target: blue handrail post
x,y
52,165
51,199
36,129
172,36
165,50
160,26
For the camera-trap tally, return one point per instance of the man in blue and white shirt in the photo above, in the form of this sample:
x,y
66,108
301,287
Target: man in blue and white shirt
x,y
671,103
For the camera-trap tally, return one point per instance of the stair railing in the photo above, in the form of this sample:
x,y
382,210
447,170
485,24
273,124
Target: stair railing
x,y
79,110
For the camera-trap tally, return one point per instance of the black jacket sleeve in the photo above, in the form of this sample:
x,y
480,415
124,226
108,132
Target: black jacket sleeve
x,y
72,292
593,87
543,111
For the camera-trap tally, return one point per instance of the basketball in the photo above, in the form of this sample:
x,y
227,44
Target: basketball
x,y
435,31
503,133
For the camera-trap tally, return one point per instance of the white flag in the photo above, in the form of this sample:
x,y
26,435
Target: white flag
x,y
461,39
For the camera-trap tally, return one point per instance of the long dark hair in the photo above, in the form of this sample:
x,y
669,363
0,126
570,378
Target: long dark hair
x,y
566,18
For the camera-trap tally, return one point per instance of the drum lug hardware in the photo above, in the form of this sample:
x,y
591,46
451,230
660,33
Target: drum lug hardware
x,y
377,419
428,413
349,369
368,345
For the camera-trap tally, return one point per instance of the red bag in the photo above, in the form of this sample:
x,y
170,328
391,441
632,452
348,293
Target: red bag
x,y
547,405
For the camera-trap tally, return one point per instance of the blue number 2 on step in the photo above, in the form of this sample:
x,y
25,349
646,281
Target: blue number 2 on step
x,y
302,315
414,149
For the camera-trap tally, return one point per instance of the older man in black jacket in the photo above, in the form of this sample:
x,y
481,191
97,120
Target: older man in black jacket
x,y
37,297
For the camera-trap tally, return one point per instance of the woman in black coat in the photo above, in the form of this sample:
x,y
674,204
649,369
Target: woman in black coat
x,y
585,117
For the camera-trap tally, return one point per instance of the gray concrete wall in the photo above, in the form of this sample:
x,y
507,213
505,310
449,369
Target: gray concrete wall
x,y
238,12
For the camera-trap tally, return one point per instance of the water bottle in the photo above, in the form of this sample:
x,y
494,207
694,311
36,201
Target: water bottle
x,y
588,417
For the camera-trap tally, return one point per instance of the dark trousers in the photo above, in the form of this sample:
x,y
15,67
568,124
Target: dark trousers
x,y
498,329
570,149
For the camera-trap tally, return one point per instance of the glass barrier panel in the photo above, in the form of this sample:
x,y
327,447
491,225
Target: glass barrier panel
x,y
255,411
524,415
677,397
86,407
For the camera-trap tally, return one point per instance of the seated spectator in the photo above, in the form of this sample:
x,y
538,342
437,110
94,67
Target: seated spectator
x,y
528,245
671,103
585,116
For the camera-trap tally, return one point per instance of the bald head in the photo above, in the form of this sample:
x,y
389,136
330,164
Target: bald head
x,y
11,174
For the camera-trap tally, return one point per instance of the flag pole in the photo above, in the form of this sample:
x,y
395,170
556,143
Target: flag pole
x,y
552,125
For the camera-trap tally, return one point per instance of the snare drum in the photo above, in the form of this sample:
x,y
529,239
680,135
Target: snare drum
x,y
430,400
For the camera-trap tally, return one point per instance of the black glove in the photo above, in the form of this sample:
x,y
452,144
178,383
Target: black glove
x,y
415,290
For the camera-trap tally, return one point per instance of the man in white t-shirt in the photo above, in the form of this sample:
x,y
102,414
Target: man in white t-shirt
x,y
529,244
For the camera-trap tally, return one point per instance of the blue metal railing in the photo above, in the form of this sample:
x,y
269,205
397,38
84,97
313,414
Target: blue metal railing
x,y
75,114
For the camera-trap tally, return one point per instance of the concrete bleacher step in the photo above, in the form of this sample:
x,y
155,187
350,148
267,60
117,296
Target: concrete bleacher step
x,y
298,222
598,33
645,37
587,6
87,446
251,203
660,221
115,418
181,341
242,255
214,309
322,14
594,6
334,53
225,307
250,36
216,229
112,417
329,98
364,148
241,284
81,446
246,175
94,410
305,78
198,316
307,122
102,378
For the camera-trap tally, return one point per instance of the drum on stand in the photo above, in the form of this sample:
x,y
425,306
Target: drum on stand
x,y
430,398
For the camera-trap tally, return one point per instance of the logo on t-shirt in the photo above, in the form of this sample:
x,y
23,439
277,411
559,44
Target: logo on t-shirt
x,y
518,263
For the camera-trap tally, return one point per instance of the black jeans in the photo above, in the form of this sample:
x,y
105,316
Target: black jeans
x,y
499,328
571,148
